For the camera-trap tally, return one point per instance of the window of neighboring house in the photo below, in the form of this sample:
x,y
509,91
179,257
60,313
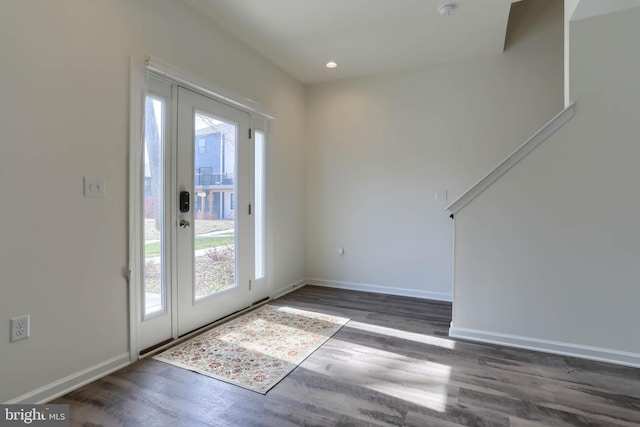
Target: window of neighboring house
x,y
202,146
206,175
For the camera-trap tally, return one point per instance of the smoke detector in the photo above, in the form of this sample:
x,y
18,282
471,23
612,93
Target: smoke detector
x,y
447,9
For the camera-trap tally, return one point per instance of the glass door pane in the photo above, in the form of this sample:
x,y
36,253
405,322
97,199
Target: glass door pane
x,y
259,187
214,205
154,296
151,275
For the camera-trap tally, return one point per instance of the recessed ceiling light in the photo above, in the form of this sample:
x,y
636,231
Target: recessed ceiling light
x,y
331,64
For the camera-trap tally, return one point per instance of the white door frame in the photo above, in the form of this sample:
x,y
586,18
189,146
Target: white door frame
x,y
140,71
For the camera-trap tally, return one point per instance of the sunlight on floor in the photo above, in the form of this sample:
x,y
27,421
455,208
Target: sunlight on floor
x,y
423,339
417,381
285,336
261,327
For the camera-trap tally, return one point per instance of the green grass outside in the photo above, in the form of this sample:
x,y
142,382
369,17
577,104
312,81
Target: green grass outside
x,y
153,249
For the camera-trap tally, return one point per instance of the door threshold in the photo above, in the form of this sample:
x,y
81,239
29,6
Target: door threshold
x,y
155,349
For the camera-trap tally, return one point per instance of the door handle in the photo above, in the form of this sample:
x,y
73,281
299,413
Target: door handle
x,y
184,223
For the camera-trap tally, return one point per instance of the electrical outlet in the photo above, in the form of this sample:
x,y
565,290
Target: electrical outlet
x,y
19,328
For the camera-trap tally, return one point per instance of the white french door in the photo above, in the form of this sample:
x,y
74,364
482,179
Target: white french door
x,y
199,252
214,234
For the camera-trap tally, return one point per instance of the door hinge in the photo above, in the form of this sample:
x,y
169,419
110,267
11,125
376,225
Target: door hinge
x,y
249,133
249,208
249,284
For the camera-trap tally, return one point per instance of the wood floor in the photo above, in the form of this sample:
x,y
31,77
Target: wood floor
x,y
392,365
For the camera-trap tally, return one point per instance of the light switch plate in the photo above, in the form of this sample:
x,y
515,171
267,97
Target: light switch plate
x,y
94,187
441,195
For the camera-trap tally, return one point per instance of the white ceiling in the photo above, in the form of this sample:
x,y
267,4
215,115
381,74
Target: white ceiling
x,y
583,9
362,36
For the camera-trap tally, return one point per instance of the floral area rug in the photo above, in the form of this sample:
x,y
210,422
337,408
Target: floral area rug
x,y
257,349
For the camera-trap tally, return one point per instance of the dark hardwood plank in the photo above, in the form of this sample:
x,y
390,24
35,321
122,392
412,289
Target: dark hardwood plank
x,y
392,365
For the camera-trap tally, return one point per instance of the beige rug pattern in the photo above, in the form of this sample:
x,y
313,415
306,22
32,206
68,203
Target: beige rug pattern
x,y
258,349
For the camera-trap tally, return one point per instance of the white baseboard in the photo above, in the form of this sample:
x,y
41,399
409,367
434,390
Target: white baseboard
x,y
547,346
64,385
389,290
287,289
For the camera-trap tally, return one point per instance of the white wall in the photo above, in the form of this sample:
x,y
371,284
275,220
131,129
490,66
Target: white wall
x,y
64,109
548,256
381,146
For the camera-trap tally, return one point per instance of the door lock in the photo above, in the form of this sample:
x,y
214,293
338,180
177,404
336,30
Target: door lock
x,y
184,223
184,201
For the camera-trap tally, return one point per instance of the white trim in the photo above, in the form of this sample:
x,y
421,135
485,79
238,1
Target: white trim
x,y
569,7
389,290
205,87
137,91
453,270
288,289
71,382
538,138
548,346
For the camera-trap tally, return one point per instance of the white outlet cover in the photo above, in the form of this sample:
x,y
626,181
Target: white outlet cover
x,y
94,187
20,328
